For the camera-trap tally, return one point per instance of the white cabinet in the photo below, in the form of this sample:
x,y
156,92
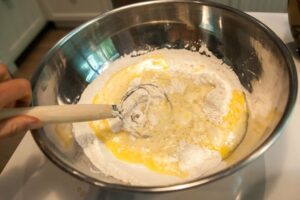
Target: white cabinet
x,y
20,22
74,10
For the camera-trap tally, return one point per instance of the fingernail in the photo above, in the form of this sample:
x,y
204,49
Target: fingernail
x,y
35,125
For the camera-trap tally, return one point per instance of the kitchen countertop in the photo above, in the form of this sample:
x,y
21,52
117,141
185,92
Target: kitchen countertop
x,y
274,176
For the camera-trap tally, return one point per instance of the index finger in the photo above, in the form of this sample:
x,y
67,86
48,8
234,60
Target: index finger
x,y
4,73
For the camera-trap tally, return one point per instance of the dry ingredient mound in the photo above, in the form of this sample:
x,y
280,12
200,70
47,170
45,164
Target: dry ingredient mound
x,y
205,123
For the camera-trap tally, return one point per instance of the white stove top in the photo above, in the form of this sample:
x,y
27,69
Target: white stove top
x,y
276,175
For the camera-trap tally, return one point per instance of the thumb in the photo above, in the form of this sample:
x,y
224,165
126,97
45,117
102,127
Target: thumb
x,y
17,125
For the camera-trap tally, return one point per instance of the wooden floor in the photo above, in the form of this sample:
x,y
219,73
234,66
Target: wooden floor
x,y
27,63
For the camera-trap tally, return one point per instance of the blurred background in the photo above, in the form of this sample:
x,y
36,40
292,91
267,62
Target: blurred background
x,y
30,28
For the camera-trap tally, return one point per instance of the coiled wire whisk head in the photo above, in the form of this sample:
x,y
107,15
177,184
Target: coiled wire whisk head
x,y
135,106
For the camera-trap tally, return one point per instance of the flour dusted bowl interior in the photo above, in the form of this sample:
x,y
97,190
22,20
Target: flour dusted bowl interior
x,y
255,54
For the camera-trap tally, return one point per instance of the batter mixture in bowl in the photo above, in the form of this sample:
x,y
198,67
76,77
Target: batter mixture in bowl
x,y
185,137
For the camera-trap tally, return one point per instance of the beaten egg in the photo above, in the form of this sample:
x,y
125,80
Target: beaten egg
x,y
170,128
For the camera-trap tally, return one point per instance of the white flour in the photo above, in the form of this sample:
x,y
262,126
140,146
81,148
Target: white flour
x,y
197,161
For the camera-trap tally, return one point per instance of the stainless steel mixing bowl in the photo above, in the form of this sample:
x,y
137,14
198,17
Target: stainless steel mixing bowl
x,y
255,53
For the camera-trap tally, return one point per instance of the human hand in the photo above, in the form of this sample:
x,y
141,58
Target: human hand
x,y
15,93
